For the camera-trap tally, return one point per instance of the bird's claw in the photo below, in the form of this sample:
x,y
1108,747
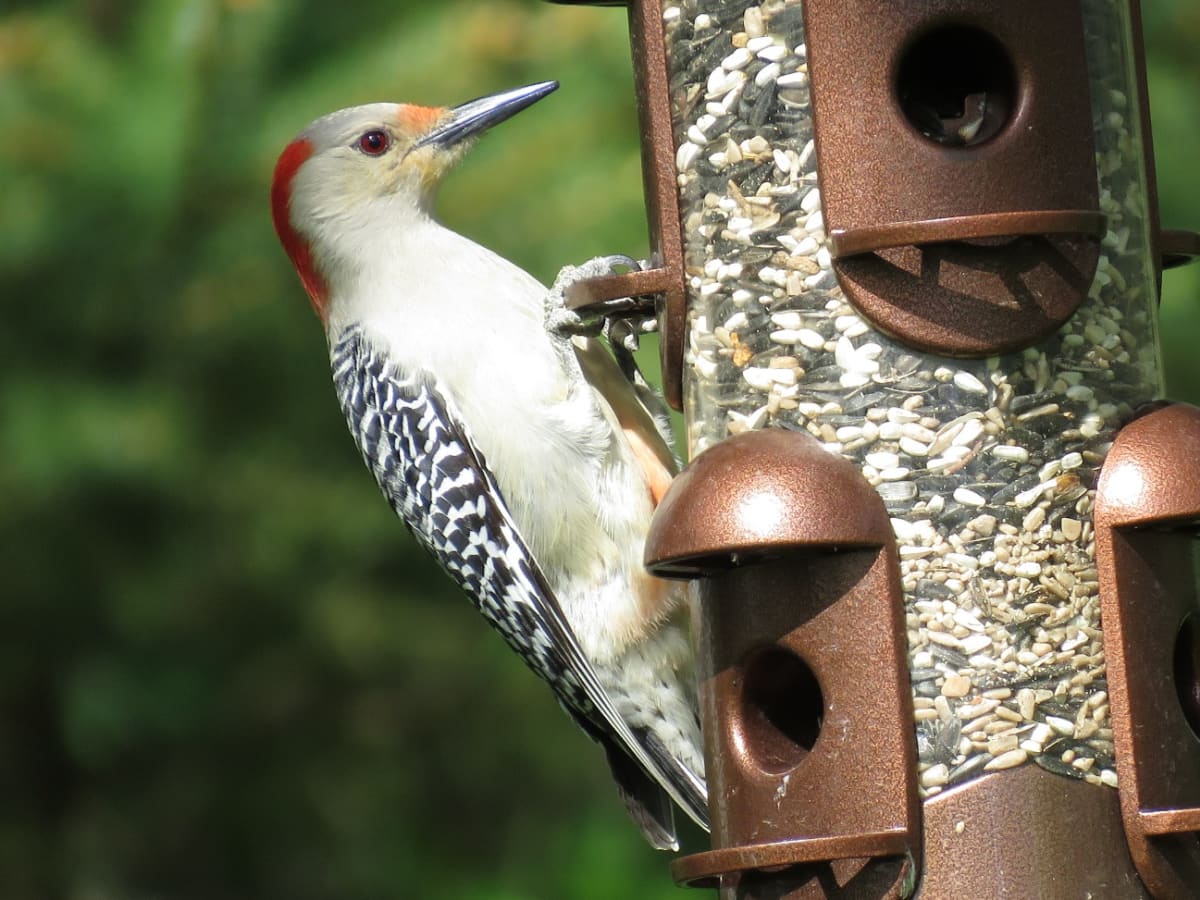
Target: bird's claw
x,y
622,322
615,260
567,323
560,319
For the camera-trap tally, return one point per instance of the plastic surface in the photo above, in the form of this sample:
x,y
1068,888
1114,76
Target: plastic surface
x,y
1147,513
987,467
941,124
800,655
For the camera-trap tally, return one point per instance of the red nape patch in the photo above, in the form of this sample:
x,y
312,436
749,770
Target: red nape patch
x,y
418,119
297,249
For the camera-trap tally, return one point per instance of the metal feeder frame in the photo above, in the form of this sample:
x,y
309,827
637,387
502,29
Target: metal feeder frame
x,y
792,816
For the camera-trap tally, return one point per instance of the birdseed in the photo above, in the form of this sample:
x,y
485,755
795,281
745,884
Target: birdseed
x,y
987,467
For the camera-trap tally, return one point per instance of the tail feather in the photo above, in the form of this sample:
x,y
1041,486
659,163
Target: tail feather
x,y
692,786
647,803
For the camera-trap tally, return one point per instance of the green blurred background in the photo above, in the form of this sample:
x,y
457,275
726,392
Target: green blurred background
x,y
225,671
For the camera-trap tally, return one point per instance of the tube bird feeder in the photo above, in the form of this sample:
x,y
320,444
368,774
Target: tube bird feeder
x,y
906,258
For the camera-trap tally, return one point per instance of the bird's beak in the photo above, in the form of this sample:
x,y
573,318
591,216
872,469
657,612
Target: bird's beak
x,y
476,116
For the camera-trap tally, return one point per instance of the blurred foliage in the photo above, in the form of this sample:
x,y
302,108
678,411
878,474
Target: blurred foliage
x,y
226,672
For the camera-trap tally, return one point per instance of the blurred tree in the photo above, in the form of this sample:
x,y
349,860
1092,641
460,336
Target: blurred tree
x,y
226,672
1172,33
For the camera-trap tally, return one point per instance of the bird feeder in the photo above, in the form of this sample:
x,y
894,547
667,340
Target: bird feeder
x,y
906,258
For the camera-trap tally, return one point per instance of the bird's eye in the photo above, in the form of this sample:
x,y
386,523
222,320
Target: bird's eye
x,y
374,143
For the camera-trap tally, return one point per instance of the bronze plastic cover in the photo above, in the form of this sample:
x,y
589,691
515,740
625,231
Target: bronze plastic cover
x,y
972,245
1026,833
1146,513
804,692
759,494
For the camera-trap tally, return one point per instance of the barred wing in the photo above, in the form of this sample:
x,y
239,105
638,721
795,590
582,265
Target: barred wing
x,y
421,453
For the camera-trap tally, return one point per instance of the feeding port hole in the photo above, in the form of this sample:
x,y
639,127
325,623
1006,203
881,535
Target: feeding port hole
x,y
956,85
782,709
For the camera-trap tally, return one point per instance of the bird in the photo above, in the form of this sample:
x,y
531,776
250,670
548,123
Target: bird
x,y
514,446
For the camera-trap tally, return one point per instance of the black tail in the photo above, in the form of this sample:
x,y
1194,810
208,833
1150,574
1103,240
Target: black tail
x,y
646,800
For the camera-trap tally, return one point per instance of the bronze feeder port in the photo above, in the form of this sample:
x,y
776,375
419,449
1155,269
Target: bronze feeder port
x,y
1147,513
910,306
801,665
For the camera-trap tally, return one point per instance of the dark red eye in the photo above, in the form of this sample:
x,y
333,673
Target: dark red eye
x,y
373,143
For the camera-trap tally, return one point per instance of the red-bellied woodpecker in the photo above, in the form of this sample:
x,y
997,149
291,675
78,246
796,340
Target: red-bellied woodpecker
x,y
515,451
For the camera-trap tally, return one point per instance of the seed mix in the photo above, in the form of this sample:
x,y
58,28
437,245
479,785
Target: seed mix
x,y
987,467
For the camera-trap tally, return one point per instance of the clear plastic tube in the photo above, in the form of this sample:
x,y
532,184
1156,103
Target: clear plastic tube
x,y
988,466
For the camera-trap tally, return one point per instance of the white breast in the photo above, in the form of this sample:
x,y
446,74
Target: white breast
x,y
434,300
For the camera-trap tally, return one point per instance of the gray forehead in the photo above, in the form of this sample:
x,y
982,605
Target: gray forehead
x,y
344,125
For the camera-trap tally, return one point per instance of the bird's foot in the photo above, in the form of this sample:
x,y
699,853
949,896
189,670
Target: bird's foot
x,y
563,320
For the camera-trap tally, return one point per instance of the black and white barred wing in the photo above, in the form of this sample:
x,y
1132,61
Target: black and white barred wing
x,y
421,453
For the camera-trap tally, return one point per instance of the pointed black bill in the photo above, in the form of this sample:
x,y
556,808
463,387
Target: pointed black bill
x,y
477,116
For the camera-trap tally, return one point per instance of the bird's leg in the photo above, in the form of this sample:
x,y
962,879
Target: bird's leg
x,y
563,323
615,319
624,335
560,318
621,325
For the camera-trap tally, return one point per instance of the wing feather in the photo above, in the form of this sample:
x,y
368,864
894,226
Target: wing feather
x,y
422,455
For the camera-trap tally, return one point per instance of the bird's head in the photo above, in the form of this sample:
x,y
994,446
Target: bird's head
x,y
354,168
